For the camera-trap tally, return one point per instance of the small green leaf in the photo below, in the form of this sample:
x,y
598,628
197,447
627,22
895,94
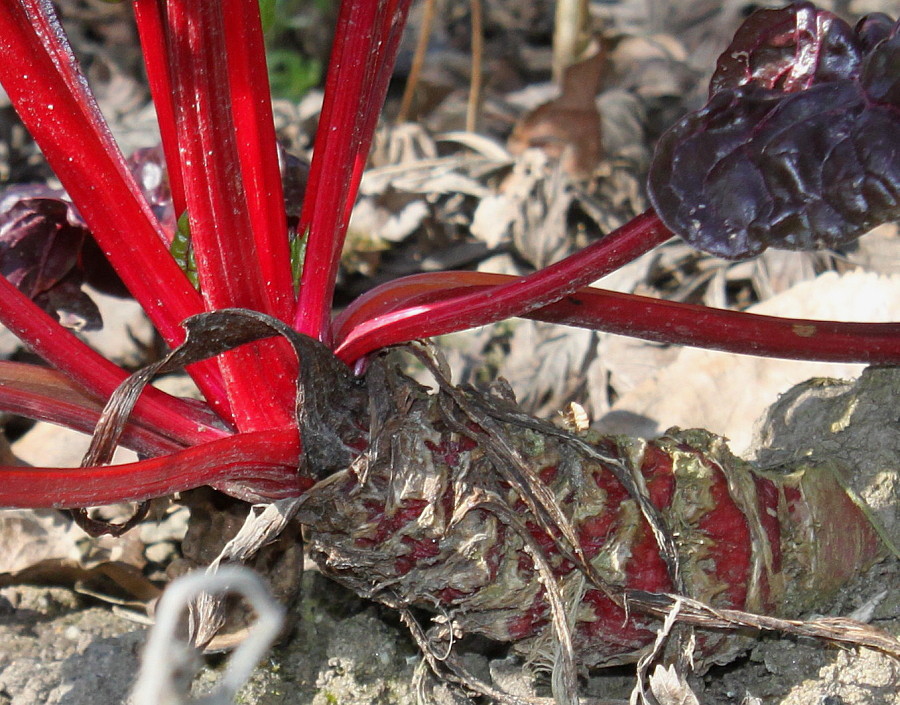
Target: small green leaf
x,y
267,13
182,252
298,254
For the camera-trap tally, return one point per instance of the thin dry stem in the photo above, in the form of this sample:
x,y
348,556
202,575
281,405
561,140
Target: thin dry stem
x,y
418,59
568,33
834,629
474,103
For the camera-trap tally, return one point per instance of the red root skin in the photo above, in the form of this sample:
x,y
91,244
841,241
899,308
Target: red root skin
x,y
420,531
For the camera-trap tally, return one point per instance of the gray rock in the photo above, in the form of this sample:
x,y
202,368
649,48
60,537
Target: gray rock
x,y
54,653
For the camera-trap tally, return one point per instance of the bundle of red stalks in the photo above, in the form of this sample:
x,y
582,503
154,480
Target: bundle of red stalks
x,y
573,546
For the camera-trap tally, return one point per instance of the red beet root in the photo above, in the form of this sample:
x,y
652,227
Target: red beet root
x,y
446,512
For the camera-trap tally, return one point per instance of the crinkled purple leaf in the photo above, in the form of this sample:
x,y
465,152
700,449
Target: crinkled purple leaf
x,y
788,49
880,75
798,145
873,29
47,253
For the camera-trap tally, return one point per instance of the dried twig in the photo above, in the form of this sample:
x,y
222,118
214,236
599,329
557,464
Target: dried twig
x,y
415,70
474,103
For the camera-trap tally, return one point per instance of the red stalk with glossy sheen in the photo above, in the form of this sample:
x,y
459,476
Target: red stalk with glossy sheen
x,y
265,461
251,107
518,297
96,375
231,462
81,152
731,331
213,102
328,187
149,18
392,21
365,46
636,316
222,236
46,395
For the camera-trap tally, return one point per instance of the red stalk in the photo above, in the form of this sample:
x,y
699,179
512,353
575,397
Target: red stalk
x,y
331,169
40,76
731,331
251,106
222,235
43,83
266,462
517,298
208,77
624,314
46,395
365,46
237,241
385,52
96,375
149,17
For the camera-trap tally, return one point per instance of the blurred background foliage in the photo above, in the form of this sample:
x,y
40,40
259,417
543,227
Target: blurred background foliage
x,y
295,52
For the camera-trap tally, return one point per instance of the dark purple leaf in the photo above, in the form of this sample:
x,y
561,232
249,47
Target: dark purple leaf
x,y
798,145
294,175
99,273
47,253
789,50
873,29
881,71
72,307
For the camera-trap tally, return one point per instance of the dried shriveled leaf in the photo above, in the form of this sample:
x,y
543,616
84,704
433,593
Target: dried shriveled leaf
x,y
568,127
46,547
670,688
28,538
215,526
546,365
797,146
531,211
328,402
